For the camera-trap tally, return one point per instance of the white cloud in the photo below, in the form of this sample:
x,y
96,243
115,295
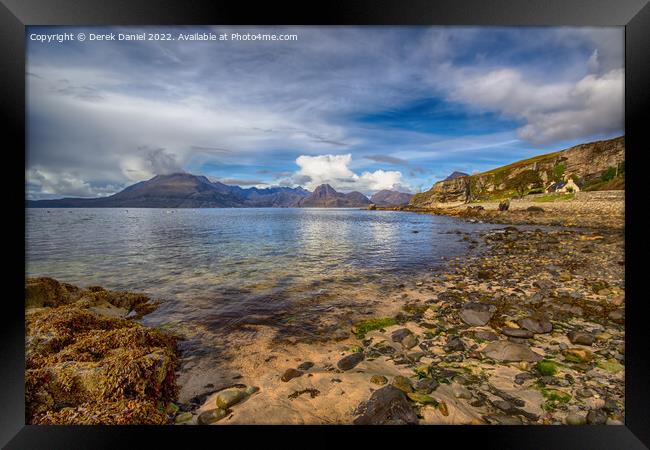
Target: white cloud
x,y
552,111
335,171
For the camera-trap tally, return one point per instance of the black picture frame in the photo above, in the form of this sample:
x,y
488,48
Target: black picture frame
x,y
633,14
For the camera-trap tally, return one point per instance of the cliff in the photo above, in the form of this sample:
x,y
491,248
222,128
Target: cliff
x,y
595,165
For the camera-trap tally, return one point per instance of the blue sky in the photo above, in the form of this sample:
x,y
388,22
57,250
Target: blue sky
x,y
360,108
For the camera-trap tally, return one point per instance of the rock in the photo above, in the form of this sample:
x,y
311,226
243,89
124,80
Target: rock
x,y
509,351
461,392
306,366
387,405
183,417
250,390
580,337
131,315
535,209
610,406
421,398
517,333
577,355
504,205
454,344
476,314
521,378
617,316
537,326
402,383
409,341
290,374
596,417
505,406
574,418
229,397
378,379
399,335
350,361
485,335
211,416
426,386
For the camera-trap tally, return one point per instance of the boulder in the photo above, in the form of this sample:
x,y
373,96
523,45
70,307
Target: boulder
x,y
350,361
510,351
386,406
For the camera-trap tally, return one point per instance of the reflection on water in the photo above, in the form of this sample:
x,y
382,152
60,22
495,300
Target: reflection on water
x,y
220,267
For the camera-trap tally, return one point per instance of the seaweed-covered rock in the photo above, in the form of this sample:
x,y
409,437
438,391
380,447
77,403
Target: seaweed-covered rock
x,y
85,368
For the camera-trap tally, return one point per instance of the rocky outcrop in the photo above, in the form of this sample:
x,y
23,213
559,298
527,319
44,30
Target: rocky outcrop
x,y
86,364
583,163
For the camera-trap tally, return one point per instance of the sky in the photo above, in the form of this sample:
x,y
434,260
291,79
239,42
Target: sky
x,y
361,108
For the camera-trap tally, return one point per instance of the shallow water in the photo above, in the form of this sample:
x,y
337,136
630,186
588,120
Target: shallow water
x,y
222,267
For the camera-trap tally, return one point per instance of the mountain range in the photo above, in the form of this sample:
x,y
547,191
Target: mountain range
x,y
184,190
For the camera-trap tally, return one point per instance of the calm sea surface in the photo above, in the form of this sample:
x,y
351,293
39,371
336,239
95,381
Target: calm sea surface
x,y
220,266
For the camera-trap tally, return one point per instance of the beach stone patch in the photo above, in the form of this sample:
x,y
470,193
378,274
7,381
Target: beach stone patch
x,y
386,406
510,351
581,338
537,326
290,374
211,416
517,333
350,361
183,417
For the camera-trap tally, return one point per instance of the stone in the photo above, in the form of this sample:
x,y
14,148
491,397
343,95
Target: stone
x,y
409,341
387,405
183,417
402,383
350,361
211,416
250,390
485,335
476,314
581,338
378,379
306,366
577,355
461,392
290,374
596,417
574,418
537,326
504,205
426,386
421,398
617,315
399,335
454,343
510,351
517,333
229,397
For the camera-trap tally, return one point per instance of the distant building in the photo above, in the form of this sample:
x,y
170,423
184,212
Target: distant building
x,y
563,186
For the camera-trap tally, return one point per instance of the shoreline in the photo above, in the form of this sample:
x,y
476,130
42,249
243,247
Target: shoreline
x,y
589,210
427,350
